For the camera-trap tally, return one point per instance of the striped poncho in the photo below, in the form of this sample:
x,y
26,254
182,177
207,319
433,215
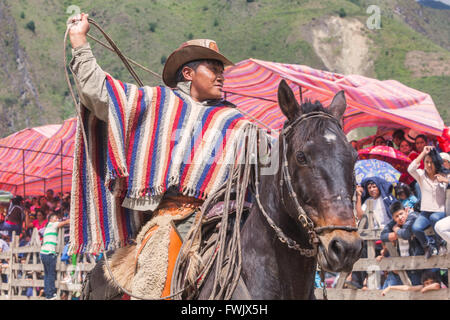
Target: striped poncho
x,y
153,140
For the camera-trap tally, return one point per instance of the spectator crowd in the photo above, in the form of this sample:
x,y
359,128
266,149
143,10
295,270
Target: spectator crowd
x,y
45,214
411,214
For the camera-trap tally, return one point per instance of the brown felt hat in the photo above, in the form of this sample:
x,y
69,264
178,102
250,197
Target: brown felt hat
x,y
196,49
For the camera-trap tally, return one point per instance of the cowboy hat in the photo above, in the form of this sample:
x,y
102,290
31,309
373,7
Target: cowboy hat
x,y
411,135
196,49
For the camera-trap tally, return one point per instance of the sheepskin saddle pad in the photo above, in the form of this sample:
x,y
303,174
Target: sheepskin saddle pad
x,y
145,268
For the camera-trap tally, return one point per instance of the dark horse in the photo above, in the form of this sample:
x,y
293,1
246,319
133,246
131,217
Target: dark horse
x,y
309,197
320,164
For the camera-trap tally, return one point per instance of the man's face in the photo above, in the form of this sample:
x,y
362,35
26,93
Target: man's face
x,y
400,217
373,190
207,81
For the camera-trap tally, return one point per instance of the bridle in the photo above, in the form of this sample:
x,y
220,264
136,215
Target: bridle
x,y
302,217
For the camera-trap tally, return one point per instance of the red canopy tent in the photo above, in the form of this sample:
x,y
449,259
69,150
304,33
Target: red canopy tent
x,y
34,160
252,86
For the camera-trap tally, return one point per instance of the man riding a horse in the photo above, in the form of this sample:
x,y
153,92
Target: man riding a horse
x,y
138,151
195,72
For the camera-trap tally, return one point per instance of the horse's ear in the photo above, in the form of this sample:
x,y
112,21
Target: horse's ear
x,y
338,105
286,99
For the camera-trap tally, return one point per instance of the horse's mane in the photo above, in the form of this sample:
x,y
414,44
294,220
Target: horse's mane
x,y
313,126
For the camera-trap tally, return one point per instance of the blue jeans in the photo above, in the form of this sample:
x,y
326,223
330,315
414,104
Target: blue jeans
x,y
393,279
423,221
49,262
10,228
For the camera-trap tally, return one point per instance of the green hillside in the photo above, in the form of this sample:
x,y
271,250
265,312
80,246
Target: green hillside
x,y
31,43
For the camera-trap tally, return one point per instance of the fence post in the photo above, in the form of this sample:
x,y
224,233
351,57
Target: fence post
x,y
401,273
373,277
59,248
11,262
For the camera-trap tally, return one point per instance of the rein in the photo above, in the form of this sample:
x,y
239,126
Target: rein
x,y
302,217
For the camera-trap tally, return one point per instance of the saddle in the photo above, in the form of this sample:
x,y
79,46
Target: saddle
x,y
146,267
151,267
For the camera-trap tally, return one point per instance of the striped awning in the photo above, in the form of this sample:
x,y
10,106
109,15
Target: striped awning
x,y
38,158
252,86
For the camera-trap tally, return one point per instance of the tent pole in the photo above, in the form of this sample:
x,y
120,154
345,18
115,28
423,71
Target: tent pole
x,y
23,170
60,200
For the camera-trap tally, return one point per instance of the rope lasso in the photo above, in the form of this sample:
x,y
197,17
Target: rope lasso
x,y
80,120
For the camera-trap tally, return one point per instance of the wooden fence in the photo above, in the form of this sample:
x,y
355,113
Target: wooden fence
x,y
22,270
392,263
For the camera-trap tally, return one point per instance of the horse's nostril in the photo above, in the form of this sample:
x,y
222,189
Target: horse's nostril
x,y
337,248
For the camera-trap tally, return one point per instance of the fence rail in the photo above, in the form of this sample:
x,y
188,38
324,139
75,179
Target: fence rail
x,y
22,269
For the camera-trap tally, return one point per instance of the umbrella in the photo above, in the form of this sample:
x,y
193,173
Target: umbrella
x,y
388,154
375,168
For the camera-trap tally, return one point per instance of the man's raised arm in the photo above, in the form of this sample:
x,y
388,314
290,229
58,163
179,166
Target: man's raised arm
x,y
90,79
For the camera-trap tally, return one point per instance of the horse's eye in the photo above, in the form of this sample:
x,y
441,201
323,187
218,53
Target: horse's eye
x,y
301,158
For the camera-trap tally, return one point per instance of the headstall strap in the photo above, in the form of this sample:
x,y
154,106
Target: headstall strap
x,y
303,218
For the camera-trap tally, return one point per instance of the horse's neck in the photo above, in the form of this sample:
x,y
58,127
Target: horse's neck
x,y
270,269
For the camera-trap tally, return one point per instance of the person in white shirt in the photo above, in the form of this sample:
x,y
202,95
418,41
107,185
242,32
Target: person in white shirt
x,y
49,255
432,186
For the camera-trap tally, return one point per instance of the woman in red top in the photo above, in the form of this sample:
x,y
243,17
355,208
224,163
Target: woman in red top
x,y
40,222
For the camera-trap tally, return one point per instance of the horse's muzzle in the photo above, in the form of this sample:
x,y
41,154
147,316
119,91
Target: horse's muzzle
x,y
341,252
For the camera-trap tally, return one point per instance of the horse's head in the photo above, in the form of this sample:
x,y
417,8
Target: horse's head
x,y
320,163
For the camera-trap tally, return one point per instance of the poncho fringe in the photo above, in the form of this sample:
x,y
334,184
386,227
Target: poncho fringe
x,y
153,140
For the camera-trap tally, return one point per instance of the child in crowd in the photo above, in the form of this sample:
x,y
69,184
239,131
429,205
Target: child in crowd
x,y
430,281
399,231
405,196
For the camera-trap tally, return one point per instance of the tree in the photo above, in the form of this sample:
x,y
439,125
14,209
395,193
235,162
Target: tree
x,y
31,26
342,13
